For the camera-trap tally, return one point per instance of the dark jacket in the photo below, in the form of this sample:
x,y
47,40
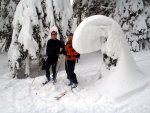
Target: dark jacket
x,y
53,48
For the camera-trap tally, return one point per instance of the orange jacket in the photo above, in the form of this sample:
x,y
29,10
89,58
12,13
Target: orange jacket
x,y
71,53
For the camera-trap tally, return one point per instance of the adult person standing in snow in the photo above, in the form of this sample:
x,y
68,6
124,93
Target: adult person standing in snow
x,y
52,51
70,54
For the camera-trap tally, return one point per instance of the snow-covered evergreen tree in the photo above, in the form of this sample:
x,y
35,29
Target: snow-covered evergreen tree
x,y
86,8
7,10
147,14
133,16
32,24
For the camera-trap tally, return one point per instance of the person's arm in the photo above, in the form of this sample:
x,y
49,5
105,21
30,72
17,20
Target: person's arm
x,y
62,45
47,48
63,51
74,53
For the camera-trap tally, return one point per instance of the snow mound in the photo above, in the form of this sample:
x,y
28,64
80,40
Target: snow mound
x,y
118,75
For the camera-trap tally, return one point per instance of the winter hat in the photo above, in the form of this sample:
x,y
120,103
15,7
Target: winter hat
x,y
70,34
54,33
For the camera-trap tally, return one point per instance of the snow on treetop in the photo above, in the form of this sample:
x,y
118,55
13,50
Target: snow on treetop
x,y
136,6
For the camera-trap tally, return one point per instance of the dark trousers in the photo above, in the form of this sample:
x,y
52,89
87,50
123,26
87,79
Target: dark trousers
x,y
70,66
49,63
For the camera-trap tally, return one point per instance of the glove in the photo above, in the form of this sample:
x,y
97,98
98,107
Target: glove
x,y
63,52
45,57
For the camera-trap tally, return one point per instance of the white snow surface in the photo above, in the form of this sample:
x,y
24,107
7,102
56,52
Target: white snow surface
x,y
23,96
103,33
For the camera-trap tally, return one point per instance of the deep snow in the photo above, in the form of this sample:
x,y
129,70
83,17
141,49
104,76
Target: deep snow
x,y
19,96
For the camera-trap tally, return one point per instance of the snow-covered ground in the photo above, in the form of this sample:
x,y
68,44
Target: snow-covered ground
x,y
30,96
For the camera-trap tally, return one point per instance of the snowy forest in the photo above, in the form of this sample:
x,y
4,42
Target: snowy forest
x,y
112,38
26,25
132,15
42,16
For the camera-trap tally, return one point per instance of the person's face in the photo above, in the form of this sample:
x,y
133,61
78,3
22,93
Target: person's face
x,y
69,37
54,36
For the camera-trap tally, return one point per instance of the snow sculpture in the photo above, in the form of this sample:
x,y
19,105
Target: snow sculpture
x,y
119,74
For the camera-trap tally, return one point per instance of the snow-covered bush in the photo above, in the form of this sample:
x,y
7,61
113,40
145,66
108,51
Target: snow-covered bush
x,y
118,68
32,24
103,33
133,16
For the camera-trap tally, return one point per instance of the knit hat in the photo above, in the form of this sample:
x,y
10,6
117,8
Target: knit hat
x,y
70,34
53,33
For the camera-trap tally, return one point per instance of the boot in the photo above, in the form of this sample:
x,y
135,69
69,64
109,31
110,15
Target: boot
x,y
74,85
48,80
54,79
70,83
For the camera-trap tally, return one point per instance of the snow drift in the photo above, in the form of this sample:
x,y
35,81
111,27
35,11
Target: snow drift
x,y
118,74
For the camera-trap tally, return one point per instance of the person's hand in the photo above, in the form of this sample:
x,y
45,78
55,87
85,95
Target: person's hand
x,y
45,57
63,52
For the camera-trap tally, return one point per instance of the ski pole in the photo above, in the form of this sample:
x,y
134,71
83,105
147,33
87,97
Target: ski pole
x,y
36,74
67,68
33,79
59,65
69,75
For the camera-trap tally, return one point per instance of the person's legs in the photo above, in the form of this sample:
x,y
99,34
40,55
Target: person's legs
x,y
66,68
48,64
72,74
54,65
